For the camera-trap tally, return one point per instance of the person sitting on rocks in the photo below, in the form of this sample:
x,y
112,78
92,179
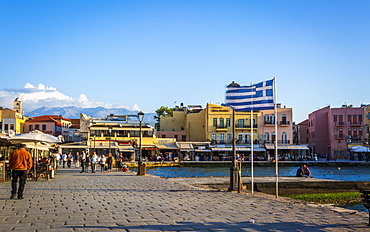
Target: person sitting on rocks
x,y
300,172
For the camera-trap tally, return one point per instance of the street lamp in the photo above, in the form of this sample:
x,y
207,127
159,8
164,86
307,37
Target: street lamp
x,y
110,138
141,166
94,143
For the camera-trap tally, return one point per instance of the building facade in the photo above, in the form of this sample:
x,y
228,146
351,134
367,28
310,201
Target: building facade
x,y
333,131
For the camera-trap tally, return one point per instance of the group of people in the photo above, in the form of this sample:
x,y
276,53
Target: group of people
x,y
303,171
94,161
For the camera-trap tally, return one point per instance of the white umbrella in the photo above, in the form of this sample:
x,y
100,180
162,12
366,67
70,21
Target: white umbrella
x,y
35,137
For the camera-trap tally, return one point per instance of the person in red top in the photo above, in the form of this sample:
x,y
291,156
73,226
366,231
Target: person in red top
x,y
20,162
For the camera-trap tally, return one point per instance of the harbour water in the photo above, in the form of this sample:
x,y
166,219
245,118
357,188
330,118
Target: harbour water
x,y
341,173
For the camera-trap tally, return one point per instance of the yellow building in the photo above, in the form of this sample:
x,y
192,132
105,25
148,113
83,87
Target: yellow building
x,y
214,124
13,120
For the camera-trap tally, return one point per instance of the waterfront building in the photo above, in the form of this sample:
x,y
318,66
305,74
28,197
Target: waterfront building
x,y
212,126
120,135
333,131
49,124
173,126
367,124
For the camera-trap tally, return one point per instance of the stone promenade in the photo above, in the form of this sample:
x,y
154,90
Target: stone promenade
x,y
120,201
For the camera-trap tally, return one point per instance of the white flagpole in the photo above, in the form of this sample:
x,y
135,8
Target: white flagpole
x,y
276,145
252,160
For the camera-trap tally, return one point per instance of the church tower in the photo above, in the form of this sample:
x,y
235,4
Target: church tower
x,y
18,105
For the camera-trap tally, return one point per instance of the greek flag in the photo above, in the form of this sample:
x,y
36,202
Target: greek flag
x,y
254,97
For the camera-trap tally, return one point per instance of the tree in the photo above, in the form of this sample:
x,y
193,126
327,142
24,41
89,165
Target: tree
x,y
163,111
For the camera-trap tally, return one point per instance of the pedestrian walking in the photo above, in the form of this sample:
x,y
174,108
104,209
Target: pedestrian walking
x,y
64,159
20,162
110,162
94,161
87,162
102,161
82,161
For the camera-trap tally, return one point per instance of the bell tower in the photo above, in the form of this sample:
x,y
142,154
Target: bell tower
x,y
18,105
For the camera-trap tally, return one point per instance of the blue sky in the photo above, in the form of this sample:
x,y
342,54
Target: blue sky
x,y
145,54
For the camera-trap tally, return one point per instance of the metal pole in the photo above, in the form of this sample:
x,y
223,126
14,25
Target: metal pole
x,y
110,138
234,172
140,155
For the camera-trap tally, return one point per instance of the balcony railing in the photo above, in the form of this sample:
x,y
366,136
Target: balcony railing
x,y
279,141
284,123
340,123
245,126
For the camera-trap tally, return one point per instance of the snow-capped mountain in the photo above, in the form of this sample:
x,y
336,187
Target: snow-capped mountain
x,y
72,112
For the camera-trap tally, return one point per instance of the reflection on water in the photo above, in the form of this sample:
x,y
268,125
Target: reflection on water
x,y
344,173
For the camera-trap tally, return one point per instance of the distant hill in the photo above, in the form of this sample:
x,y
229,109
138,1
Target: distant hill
x,y
74,112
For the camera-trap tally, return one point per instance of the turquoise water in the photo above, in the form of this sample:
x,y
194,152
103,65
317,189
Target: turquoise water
x,y
344,173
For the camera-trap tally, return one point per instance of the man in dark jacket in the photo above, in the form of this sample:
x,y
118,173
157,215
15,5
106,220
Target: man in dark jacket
x,y
300,172
20,162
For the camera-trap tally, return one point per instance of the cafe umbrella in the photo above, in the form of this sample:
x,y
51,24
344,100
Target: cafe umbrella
x,y
35,137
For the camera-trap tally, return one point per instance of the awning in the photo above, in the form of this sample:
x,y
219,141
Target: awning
x,y
127,148
222,149
185,146
166,146
287,147
202,150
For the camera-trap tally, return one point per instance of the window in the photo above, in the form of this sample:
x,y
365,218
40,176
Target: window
x,y
228,122
30,127
215,122
360,118
213,137
340,118
183,137
163,136
273,136
349,132
360,132
222,137
241,123
229,137
335,132
349,118
37,127
240,138
335,118
44,127
284,137
266,117
273,119
339,144
222,122
283,119
267,136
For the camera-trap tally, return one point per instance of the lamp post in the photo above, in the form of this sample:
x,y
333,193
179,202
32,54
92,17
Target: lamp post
x,y
110,138
141,166
234,171
94,143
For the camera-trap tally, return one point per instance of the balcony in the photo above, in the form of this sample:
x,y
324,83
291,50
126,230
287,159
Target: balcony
x,y
279,141
243,126
269,123
284,123
357,124
340,123
221,128
340,136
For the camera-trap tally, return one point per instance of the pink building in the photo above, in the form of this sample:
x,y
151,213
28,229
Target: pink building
x,y
331,130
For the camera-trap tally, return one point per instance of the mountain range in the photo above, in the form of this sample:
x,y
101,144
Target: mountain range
x,y
73,112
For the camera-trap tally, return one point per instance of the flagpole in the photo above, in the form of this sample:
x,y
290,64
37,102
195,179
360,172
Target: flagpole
x,y
276,145
252,160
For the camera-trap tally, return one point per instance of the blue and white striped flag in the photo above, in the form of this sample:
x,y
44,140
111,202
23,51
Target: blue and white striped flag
x,y
254,97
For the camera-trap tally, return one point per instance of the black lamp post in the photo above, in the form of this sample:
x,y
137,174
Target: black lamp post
x,y
110,138
94,143
141,166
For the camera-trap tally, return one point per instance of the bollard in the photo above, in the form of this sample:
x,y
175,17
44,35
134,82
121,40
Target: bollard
x,y
366,199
